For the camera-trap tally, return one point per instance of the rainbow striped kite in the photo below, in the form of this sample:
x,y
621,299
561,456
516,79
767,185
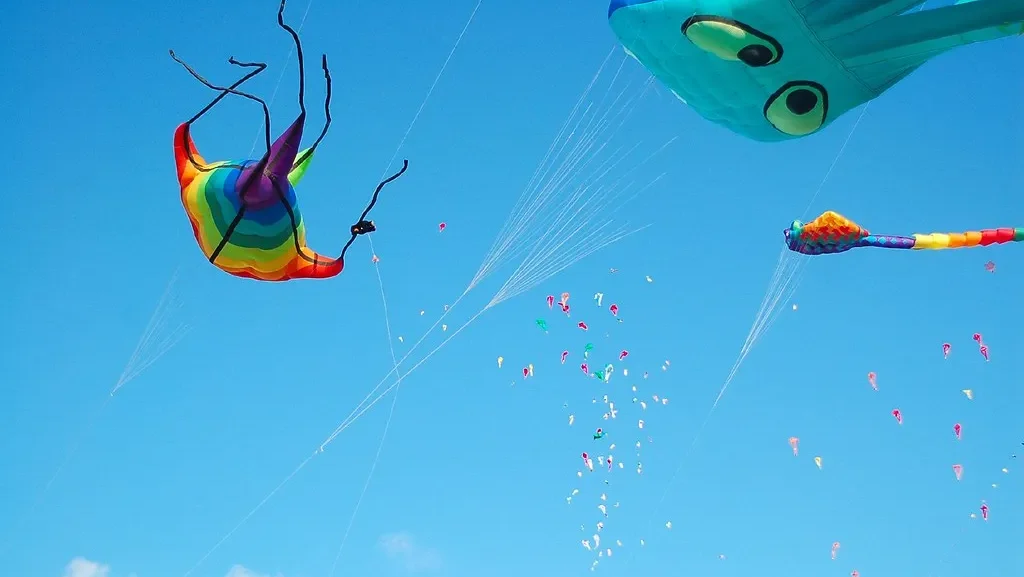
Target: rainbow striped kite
x,y
244,214
832,232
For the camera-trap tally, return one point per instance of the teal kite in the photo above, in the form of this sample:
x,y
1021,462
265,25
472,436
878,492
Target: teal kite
x,y
774,70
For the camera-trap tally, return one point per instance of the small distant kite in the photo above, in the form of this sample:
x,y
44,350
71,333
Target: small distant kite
x,y
833,233
982,347
244,214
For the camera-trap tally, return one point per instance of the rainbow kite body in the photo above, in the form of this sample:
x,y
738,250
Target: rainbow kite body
x,y
832,233
244,214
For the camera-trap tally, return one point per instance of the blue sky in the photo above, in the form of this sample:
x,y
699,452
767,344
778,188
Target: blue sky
x,y
474,473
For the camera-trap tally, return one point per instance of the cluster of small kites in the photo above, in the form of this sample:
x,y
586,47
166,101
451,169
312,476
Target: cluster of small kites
x,y
620,433
600,461
897,414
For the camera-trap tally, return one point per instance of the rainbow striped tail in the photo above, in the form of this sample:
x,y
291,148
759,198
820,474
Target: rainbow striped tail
x,y
985,237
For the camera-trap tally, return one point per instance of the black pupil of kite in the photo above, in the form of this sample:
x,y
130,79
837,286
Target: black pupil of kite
x,y
801,101
755,55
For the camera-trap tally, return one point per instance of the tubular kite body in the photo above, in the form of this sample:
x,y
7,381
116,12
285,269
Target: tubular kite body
x,y
833,233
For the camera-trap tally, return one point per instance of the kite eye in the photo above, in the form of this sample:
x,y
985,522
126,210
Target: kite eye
x,y
798,108
732,40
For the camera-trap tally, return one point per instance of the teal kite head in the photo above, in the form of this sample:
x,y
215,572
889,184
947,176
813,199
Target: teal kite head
x,y
793,234
779,69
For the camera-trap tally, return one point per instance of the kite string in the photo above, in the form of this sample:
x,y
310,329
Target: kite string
x,y
552,259
494,251
835,160
248,515
387,423
395,369
280,77
139,360
758,328
345,424
68,455
433,85
569,169
523,212
349,421
551,247
398,149
156,321
366,484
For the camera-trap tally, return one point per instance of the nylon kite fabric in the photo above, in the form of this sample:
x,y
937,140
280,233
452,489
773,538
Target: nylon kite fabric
x,y
244,214
774,70
246,223
833,233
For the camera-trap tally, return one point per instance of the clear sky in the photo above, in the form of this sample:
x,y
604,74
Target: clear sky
x,y
473,476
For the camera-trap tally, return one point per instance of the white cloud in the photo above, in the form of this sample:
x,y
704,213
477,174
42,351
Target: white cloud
x,y
82,567
403,548
241,571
